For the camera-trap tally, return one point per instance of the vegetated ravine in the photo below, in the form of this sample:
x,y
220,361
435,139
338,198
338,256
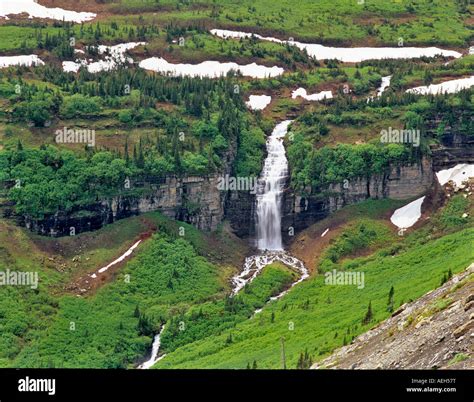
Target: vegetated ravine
x,y
271,185
268,221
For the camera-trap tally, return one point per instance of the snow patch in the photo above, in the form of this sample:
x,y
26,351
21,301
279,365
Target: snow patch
x,y
457,174
210,69
72,67
120,259
448,87
113,57
26,60
313,97
258,102
347,55
408,215
35,10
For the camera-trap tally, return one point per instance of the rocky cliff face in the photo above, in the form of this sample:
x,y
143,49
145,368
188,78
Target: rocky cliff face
x,y
400,182
434,332
195,200
452,150
240,212
456,144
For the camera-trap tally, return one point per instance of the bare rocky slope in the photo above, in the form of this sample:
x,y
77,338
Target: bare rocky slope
x,y
433,332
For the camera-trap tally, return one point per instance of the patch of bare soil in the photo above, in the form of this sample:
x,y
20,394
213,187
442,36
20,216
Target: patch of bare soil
x,y
309,245
88,284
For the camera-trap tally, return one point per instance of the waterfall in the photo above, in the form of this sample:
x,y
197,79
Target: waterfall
x,y
154,352
270,189
269,196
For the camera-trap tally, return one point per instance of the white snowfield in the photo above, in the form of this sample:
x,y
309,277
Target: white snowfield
x,y
447,87
313,97
408,215
35,10
258,102
458,174
347,54
210,69
26,60
114,55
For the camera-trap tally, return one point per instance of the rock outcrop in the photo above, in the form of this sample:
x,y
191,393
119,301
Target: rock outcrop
x,y
433,332
193,199
400,182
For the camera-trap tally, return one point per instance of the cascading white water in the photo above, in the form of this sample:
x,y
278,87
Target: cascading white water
x,y
269,192
154,352
269,196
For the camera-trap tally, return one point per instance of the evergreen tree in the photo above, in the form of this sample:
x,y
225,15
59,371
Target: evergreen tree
x,y
369,315
136,313
390,300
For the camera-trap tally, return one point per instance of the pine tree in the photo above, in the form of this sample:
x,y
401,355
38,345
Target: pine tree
x,y
228,341
144,325
136,313
254,364
304,361
369,315
444,279
390,300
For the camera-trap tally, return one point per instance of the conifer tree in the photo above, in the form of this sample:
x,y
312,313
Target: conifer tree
x,y
369,315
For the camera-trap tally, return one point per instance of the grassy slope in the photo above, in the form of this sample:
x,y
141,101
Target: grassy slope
x,y
428,22
317,317
377,21
35,324
332,309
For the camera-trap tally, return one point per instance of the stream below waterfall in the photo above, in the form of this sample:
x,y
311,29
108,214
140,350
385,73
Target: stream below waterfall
x,y
154,352
271,185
